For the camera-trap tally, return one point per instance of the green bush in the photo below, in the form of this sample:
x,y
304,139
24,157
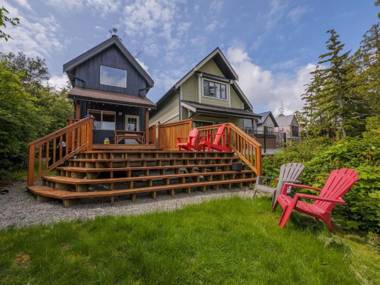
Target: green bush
x,y
28,110
362,211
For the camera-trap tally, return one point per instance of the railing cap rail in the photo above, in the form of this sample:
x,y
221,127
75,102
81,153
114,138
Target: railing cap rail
x,y
56,133
235,128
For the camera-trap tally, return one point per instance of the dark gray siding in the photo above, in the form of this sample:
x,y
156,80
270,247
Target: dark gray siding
x,y
89,72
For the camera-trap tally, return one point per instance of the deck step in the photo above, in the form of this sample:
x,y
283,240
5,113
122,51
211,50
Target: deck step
x,y
82,181
49,192
136,168
131,159
113,151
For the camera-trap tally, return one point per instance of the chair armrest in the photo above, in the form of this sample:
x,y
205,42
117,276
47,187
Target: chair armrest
x,y
313,197
292,181
285,187
260,179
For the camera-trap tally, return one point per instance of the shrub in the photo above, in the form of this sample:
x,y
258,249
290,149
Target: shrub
x,y
362,211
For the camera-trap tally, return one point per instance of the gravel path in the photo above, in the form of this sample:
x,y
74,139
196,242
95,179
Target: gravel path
x,y
19,208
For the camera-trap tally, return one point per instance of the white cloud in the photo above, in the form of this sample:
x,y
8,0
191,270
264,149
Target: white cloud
x,y
265,89
296,13
156,27
24,4
35,36
103,7
58,81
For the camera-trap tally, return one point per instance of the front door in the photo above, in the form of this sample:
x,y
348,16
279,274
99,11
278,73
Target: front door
x,y
132,123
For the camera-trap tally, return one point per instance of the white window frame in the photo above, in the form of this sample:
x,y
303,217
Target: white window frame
x,y
101,117
227,99
132,117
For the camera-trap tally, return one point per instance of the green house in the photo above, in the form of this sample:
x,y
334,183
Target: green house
x,y
207,94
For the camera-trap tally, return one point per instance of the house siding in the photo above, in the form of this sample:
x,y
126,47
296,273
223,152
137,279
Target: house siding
x,y
236,102
168,111
89,71
211,68
190,89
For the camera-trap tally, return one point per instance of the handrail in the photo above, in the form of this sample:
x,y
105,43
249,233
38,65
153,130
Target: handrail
x,y
246,147
54,148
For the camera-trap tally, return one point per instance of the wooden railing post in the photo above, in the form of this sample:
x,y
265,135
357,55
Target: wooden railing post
x,y
31,161
158,138
89,136
258,161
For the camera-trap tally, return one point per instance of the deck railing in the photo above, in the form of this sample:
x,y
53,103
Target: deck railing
x,y
168,134
246,147
50,151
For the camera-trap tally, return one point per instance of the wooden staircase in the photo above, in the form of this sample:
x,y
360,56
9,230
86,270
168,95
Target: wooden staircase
x,y
115,173
67,166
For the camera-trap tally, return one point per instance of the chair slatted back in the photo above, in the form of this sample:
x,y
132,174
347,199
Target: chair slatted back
x,y
219,134
338,183
289,172
193,136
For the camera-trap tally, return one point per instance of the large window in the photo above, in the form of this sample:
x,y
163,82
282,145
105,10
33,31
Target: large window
x,y
214,89
103,120
113,76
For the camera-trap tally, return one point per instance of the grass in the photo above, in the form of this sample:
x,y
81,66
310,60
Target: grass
x,y
231,241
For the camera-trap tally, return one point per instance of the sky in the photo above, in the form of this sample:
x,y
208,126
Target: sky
x,y
272,44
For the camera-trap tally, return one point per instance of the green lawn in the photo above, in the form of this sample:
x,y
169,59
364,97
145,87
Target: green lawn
x,y
233,241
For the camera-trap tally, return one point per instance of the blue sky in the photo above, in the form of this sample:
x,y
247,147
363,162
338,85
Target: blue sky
x,y
273,45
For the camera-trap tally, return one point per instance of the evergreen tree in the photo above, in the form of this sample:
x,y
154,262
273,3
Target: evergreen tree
x,y
332,107
367,61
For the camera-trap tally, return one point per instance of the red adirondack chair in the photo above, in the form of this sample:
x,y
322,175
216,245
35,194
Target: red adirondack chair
x,y
218,144
338,183
191,143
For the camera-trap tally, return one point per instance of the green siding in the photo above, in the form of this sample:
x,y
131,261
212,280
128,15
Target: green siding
x,y
236,102
190,89
168,110
211,68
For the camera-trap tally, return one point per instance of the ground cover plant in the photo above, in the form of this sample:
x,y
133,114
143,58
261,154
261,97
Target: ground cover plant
x,y
231,241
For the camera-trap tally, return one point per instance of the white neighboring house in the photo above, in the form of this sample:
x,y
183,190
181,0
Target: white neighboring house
x,y
289,125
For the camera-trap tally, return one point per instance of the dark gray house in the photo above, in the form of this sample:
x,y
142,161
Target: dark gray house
x,y
109,84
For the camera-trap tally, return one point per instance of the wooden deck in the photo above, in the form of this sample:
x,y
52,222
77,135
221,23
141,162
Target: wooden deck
x,y
114,173
83,170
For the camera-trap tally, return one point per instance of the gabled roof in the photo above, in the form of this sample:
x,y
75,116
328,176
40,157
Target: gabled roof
x,y
110,97
264,116
211,109
114,40
285,120
223,64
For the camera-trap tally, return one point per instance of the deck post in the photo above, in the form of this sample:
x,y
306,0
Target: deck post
x,y
77,110
31,159
147,125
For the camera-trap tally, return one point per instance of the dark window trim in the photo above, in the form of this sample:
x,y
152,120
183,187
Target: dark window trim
x,y
126,76
215,82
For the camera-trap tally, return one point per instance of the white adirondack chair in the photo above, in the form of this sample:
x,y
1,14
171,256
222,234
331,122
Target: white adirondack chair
x,y
289,173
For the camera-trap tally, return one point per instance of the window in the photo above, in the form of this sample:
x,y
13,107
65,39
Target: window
x,y
214,89
113,76
203,123
103,120
132,123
